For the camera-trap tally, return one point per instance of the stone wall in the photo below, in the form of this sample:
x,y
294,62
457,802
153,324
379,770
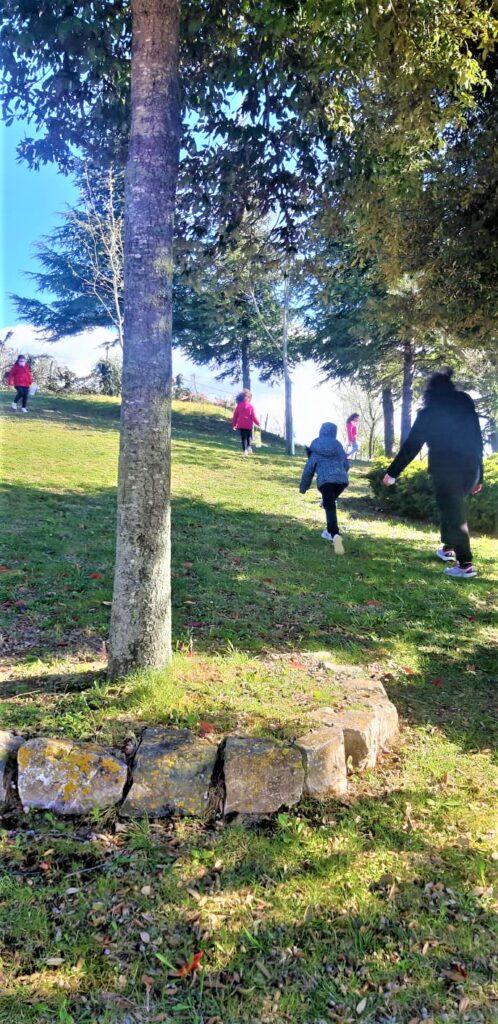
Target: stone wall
x,y
172,771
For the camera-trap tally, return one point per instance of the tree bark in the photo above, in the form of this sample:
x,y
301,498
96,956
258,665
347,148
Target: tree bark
x,y
246,366
407,391
493,435
141,609
388,411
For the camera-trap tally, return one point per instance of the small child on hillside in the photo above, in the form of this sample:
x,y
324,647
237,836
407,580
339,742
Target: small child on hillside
x,y
352,433
243,420
328,460
21,378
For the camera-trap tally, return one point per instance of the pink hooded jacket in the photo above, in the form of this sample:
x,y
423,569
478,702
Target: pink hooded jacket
x,y
244,416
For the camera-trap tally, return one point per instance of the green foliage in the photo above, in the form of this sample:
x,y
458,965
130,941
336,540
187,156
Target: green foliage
x,y
107,375
413,494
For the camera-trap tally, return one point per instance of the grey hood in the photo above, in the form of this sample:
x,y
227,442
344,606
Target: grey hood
x,y
327,459
326,443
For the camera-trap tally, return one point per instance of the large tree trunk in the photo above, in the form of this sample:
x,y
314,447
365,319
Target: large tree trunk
x,y
388,411
493,435
141,608
246,366
407,391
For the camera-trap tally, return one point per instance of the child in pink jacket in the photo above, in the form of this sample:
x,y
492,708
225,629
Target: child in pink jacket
x,y
243,420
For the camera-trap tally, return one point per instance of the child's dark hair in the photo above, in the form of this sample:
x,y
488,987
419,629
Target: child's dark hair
x,y
354,416
244,396
20,356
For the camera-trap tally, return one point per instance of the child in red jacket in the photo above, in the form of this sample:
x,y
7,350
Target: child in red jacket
x,y
21,378
243,420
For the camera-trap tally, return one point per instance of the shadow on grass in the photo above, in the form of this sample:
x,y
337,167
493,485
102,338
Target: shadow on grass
x,y
298,923
258,583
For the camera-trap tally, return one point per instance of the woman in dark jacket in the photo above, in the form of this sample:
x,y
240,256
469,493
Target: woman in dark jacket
x,y
448,424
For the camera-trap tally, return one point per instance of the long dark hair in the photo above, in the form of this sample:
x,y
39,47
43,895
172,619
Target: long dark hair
x,y
354,416
439,387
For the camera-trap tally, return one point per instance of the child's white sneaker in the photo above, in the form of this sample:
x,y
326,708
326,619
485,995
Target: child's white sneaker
x,y
338,545
24,410
327,536
445,554
460,573
14,406
249,451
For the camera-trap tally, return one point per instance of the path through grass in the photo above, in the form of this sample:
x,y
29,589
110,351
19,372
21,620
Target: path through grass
x,y
380,909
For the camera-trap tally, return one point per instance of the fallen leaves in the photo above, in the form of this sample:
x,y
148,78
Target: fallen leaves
x,y
205,729
437,681
95,575
191,966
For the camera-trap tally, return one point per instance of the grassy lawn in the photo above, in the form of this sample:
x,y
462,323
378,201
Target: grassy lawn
x,y
380,908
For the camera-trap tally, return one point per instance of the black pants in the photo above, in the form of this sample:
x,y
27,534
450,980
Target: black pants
x,y
22,395
245,437
330,493
452,488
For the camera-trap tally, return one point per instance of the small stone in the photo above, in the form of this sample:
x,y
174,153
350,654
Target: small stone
x,y
9,745
69,778
172,774
324,763
261,776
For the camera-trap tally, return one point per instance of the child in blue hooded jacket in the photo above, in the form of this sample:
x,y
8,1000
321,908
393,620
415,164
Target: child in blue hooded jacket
x,y
328,460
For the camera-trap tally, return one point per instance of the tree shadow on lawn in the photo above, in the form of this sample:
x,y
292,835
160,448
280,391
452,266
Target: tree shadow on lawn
x,y
261,583
306,917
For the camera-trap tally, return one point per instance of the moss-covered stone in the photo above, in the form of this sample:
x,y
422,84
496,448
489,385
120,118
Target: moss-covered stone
x,y
261,776
172,774
69,778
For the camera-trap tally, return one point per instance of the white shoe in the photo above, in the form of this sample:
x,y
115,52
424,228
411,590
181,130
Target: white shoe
x,y
14,406
326,535
457,572
249,451
244,453
445,556
338,545
24,410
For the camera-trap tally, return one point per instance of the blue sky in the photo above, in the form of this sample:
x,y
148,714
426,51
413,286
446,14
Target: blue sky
x,y
30,202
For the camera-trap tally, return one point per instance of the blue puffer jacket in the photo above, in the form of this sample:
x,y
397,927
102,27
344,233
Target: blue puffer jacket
x,y
327,459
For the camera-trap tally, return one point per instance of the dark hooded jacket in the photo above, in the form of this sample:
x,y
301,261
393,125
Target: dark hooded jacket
x,y
450,429
327,459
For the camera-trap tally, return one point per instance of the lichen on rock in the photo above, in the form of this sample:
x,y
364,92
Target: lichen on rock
x,y
172,774
261,775
69,778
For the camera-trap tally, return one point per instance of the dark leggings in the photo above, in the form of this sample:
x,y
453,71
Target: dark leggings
x,y
245,437
451,491
330,493
22,395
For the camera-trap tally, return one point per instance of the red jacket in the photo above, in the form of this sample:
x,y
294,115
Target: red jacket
x,y
20,376
244,416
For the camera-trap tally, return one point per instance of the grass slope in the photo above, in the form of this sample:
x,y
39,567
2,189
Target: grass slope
x,y
379,909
